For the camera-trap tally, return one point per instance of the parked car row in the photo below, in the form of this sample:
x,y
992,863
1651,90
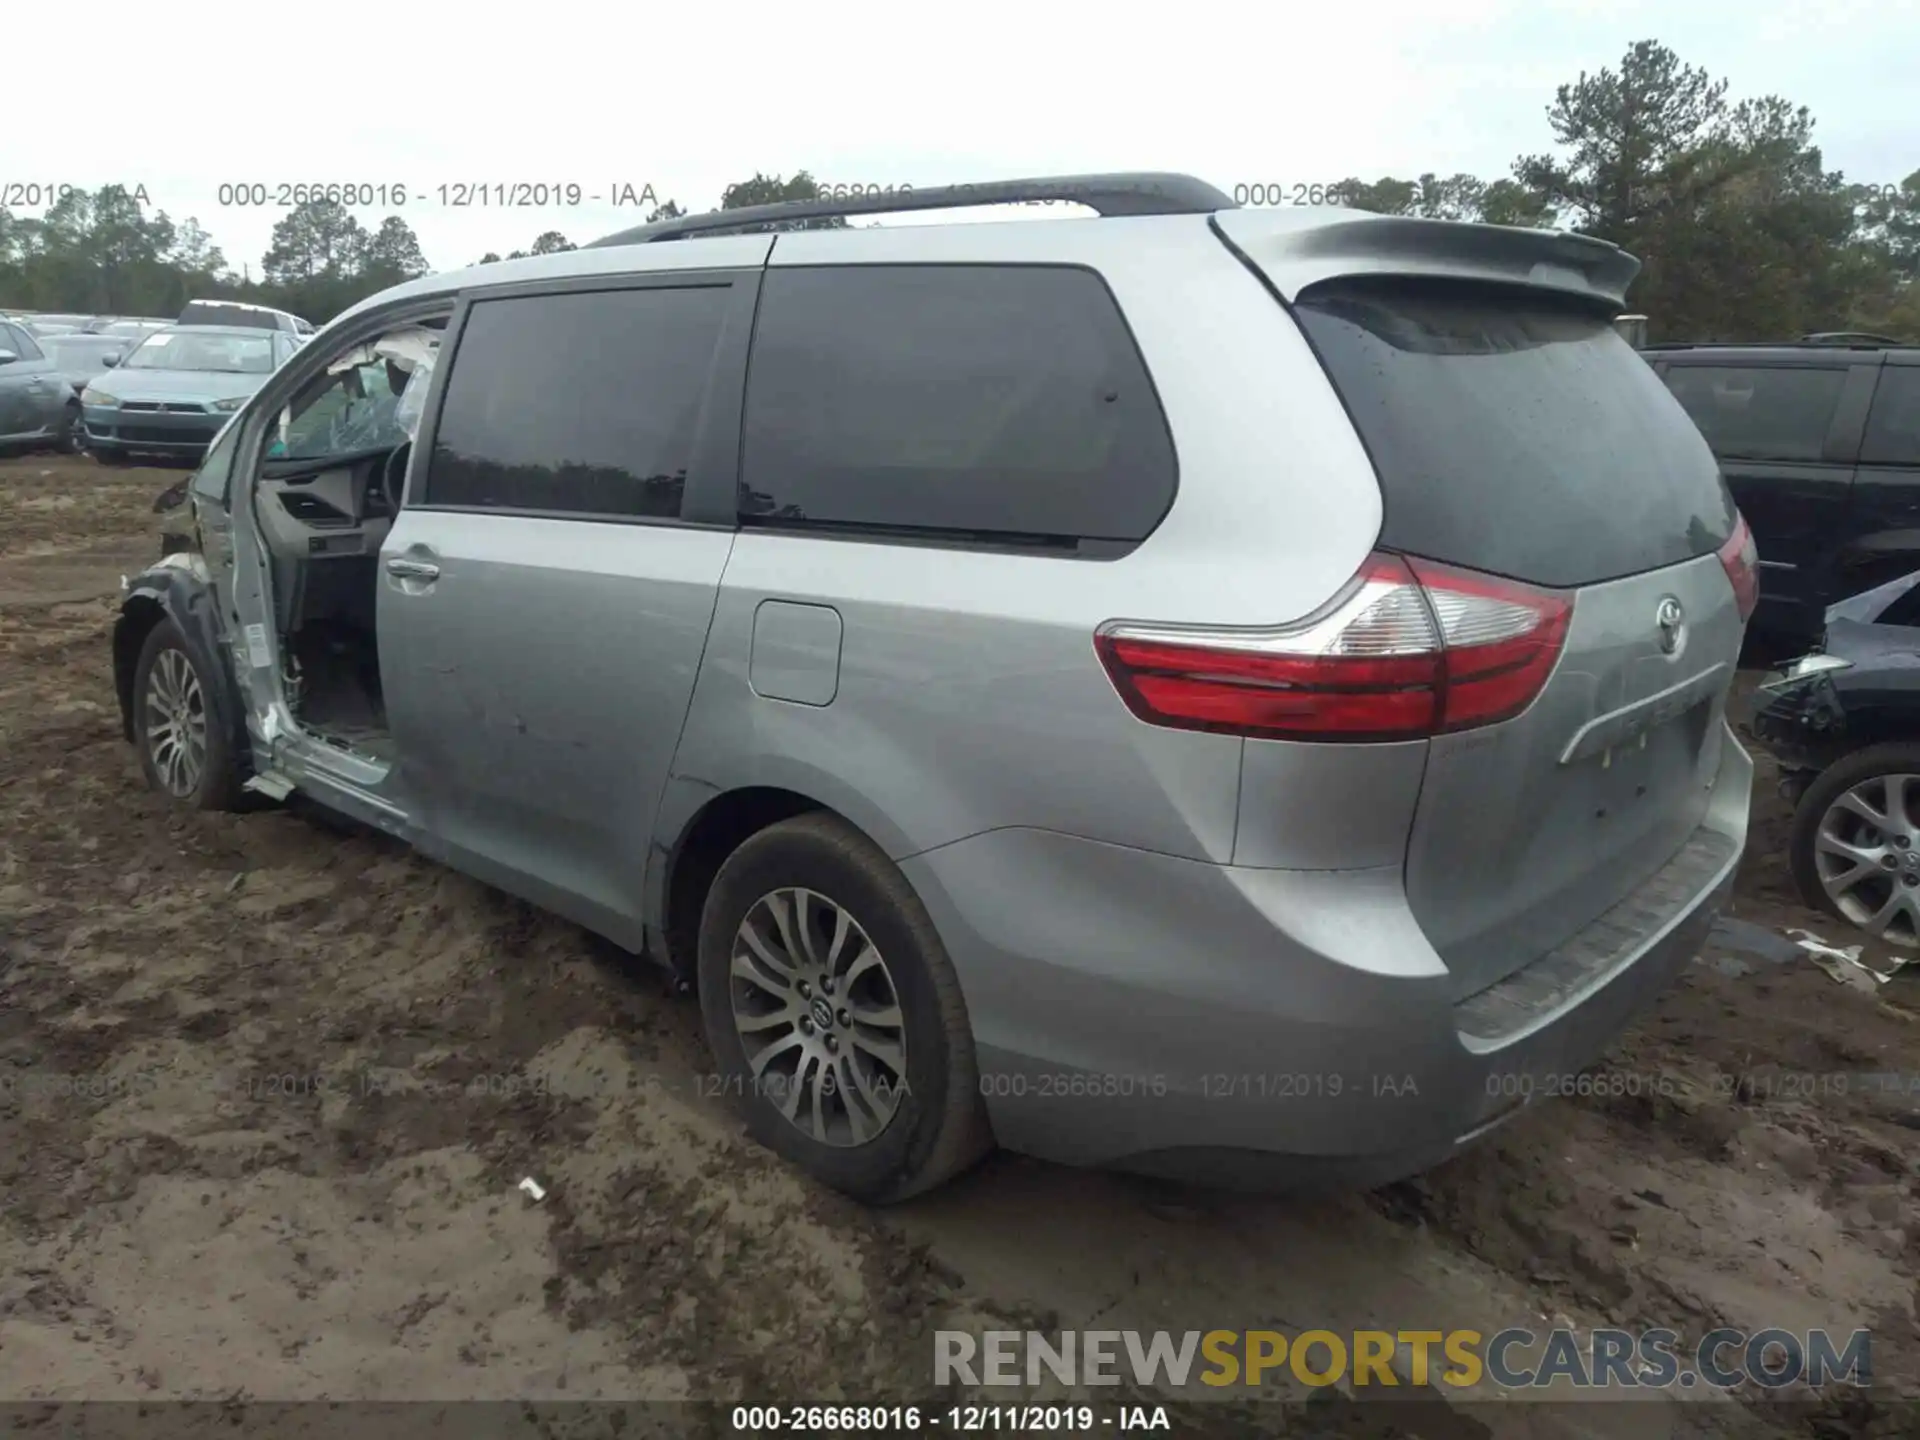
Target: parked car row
x,y
1092,674
174,383
125,326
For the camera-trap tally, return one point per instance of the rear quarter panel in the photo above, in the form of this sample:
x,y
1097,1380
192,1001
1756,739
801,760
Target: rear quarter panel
x,y
969,696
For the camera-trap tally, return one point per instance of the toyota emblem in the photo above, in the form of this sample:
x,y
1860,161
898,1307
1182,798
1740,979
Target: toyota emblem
x,y
1672,621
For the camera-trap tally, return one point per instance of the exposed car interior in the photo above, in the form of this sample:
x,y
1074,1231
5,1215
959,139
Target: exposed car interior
x,y
329,488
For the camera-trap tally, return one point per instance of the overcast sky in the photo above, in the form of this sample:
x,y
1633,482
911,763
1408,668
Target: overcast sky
x,y
686,98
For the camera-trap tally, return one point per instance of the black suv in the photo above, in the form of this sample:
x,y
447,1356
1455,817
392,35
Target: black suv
x,y
1820,443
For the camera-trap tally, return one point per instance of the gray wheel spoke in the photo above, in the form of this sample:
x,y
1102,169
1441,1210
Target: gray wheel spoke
x,y
1895,789
758,1063
1895,905
777,965
798,1087
822,1077
881,1101
803,926
1862,862
880,1017
887,1052
754,969
858,1098
777,906
842,928
1860,854
867,959
165,688
1855,802
753,1024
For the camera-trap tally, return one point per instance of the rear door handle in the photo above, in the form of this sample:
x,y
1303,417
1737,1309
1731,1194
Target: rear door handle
x,y
413,569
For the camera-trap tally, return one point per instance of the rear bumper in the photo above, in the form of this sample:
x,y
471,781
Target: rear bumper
x,y
1232,1025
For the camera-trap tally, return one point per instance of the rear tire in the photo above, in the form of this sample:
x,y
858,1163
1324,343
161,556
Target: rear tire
x,y
1821,799
68,439
183,748
885,988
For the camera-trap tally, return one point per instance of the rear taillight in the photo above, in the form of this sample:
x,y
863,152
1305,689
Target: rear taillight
x,y
1409,648
1742,564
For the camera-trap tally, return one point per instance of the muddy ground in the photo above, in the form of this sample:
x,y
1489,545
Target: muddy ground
x,y
289,1168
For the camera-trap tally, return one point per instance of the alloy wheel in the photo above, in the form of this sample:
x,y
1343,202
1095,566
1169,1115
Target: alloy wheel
x,y
818,1017
1866,853
176,715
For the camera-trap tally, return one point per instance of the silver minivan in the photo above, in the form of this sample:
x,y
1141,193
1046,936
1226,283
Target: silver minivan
x,y
1230,694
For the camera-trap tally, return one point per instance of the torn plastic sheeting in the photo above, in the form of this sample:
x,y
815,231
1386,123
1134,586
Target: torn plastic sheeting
x,y
1843,971
1843,963
1813,944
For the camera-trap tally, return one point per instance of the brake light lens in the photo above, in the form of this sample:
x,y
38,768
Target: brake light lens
x,y
1408,649
1741,560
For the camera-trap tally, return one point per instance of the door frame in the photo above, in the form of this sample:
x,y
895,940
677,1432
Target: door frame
x,y
347,782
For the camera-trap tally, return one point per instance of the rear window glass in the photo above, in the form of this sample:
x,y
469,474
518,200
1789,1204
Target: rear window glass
x,y
1759,412
238,315
1516,433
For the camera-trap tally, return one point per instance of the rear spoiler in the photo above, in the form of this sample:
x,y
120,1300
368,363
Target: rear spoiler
x,y
1304,247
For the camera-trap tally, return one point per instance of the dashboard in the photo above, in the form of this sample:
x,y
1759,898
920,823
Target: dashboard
x,y
342,509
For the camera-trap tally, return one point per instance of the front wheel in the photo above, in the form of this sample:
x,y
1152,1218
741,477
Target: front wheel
x,y
1855,848
834,1016
184,750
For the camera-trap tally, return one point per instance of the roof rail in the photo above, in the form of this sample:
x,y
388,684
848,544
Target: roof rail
x,y
1849,337
1143,193
1809,342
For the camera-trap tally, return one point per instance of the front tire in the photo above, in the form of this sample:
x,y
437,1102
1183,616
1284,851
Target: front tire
x,y
1855,848
834,1015
184,750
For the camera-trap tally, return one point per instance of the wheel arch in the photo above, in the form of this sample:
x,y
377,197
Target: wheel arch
x,y
701,825
177,590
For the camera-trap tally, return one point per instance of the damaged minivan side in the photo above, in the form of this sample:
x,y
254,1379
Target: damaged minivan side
x,y
1035,684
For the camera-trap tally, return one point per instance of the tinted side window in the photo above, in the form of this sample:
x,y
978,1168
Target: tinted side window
x,y
585,403
1893,425
1759,412
952,398
25,346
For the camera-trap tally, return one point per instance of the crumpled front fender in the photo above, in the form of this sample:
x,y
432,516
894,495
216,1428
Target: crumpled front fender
x,y
177,588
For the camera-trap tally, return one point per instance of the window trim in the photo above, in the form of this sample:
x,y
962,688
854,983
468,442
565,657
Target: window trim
x,y
854,532
231,437
1866,432
708,500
